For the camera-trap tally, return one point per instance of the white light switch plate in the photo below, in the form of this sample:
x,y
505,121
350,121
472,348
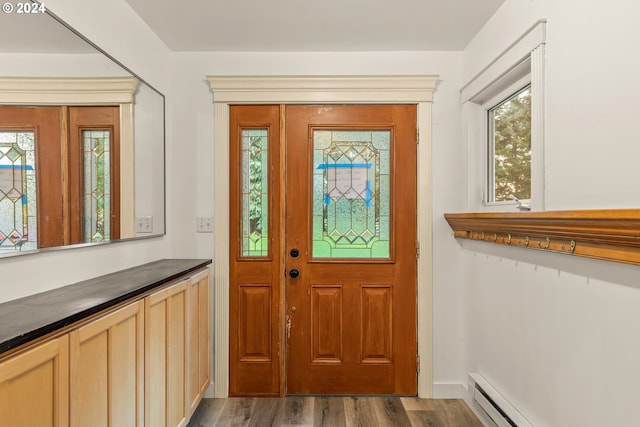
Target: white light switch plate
x,y
204,224
144,224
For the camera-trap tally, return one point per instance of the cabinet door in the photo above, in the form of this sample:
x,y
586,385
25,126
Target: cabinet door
x,y
34,386
199,341
106,358
165,357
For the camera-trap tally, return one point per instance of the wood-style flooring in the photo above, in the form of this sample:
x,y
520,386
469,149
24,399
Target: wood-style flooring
x,y
331,411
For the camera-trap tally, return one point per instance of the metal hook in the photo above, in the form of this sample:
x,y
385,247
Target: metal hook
x,y
546,246
572,247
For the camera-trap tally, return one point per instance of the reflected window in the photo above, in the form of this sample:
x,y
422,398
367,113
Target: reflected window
x,y
18,201
97,185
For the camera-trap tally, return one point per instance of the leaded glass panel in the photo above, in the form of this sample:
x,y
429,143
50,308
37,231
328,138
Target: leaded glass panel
x,y
18,201
255,192
351,194
97,185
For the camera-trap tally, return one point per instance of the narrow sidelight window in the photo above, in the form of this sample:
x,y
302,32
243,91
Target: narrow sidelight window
x,y
97,185
255,193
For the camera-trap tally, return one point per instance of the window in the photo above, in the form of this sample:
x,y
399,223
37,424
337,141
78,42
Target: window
x,y
509,148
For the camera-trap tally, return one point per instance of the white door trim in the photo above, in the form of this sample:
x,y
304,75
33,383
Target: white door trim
x,y
228,90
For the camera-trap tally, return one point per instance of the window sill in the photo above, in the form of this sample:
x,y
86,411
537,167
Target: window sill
x,y
611,235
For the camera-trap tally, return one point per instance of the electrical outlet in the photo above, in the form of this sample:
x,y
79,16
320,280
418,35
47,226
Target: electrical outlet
x,y
204,224
144,224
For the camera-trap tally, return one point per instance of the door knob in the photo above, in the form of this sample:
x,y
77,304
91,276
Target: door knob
x,y
294,273
295,253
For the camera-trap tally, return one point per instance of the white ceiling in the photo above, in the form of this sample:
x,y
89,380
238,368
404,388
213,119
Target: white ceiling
x,y
315,25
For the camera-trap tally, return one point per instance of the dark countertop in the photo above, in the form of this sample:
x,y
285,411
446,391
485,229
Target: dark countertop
x,y
25,319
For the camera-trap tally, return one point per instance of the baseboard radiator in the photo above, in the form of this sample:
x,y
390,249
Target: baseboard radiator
x,y
494,404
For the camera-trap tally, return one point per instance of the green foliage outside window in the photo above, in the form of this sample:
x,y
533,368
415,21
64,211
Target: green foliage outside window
x,y
512,147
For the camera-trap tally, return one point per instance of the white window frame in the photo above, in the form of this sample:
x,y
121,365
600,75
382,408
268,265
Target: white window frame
x,y
520,64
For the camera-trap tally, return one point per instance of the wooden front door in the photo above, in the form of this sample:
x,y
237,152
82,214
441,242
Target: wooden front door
x,y
336,282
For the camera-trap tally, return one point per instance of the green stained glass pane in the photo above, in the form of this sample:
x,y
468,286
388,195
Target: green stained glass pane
x,y
254,158
18,201
97,185
351,194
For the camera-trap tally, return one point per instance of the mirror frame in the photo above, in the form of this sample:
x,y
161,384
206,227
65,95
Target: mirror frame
x,y
164,156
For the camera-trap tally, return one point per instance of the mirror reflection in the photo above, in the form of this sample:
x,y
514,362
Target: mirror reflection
x,y
81,142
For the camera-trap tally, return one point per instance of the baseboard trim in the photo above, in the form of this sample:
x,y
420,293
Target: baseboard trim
x,y
447,390
210,391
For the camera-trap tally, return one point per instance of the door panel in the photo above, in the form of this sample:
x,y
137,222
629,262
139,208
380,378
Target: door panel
x,y
351,212
254,337
376,323
326,324
255,269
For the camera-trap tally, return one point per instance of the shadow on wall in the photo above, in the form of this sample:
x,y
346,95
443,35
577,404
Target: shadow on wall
x,y
624,274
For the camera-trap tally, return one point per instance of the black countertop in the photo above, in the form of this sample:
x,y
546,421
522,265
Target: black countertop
x,y
25,319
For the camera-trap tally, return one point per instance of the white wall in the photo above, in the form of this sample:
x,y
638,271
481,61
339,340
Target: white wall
x,y
114,27
193,132
557,335
59,65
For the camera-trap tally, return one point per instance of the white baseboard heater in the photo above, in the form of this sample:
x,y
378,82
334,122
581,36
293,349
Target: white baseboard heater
x,y
494,404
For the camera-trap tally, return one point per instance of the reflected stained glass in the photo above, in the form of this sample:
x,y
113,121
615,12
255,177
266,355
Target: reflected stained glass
x,y
255,193
18,201
351,194
97,185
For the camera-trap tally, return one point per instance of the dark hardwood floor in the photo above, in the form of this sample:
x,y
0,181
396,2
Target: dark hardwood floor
x,y
332,411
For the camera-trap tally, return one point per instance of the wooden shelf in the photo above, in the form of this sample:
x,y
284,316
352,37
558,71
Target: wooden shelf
x,y
612,235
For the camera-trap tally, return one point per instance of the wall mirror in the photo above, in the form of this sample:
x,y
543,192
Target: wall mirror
x,y
81,141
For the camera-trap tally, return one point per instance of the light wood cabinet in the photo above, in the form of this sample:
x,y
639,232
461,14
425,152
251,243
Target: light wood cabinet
x,y
166,319
146,363
106,368
199,341
34,386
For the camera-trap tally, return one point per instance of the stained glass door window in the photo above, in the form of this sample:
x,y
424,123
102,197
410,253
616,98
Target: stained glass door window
x,y
255,192
97,185
351,194
18,201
